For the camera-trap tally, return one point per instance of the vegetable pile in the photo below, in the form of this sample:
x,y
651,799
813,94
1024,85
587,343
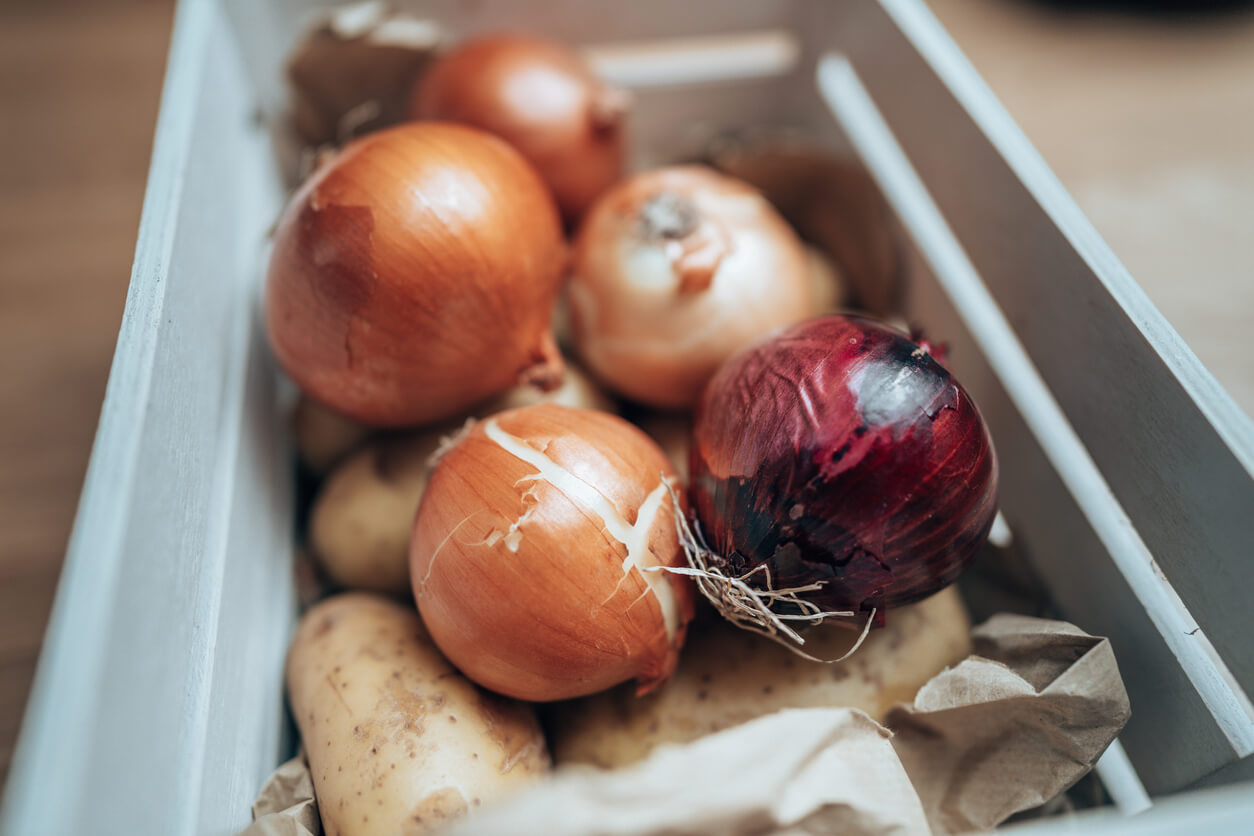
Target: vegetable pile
x,y
510,539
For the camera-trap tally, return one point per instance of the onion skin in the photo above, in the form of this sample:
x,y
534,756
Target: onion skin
x,y
656,310
577,391
842,452
414,276
518,565
543,99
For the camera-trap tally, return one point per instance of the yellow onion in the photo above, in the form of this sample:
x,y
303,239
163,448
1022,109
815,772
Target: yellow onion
x,y
543,99
577,390
674,271
363,516
414,276
535,553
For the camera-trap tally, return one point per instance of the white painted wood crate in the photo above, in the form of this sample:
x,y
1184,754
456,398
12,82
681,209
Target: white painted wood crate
x,y
1127,472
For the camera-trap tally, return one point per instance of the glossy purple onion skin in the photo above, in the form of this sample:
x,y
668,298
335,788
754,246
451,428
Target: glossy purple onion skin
x,y
840,451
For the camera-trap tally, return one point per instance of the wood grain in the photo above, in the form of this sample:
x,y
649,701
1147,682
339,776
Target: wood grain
x,y
79,84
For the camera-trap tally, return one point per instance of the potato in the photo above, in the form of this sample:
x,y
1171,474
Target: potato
x,y
323,436
398,741
728,676
364,514
577,390
673,433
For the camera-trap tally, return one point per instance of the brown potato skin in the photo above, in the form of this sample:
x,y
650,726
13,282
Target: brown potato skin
x,y
728,676
398,741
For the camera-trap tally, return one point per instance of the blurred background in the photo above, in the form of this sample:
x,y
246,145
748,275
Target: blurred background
x,y
1147,118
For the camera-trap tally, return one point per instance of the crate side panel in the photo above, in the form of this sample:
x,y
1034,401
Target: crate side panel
x,y
1167,713
268,31
1174,449
51,782
246,723
1045,449
671,125
245,727
144,756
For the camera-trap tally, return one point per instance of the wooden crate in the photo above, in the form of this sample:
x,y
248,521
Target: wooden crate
x,y
1128,474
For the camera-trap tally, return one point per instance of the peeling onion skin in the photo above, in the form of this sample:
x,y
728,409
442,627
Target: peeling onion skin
x,y
414,275
840,451
674,270
517,560
542,98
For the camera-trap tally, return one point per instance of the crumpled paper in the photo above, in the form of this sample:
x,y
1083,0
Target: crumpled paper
x,y
286,805
807,769
1008,728
353,71
1013,725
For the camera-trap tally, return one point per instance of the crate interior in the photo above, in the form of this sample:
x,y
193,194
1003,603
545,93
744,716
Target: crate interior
x,y
194,380
796,69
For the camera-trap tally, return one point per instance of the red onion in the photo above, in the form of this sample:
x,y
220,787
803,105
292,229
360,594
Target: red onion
x,y
840,460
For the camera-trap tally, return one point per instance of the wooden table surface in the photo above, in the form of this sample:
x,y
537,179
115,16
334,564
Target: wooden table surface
x,y
79,83
1149,124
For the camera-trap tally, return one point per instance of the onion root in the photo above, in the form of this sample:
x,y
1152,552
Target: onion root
x,y
750,607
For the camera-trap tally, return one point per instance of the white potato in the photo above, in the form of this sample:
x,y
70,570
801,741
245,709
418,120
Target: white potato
x,y
826,281
323,436
364,515
673,433
729,676
398,741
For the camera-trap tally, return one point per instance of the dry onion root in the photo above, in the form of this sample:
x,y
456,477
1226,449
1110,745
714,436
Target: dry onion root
x,y
751,600
675,270
532,549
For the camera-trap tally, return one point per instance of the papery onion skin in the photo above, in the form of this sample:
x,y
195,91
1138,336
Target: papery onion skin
x,y
517,561
577,391
414,275
542,98
655,311
840,451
